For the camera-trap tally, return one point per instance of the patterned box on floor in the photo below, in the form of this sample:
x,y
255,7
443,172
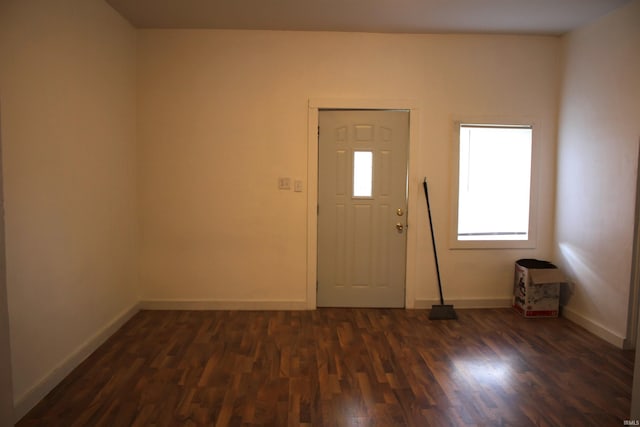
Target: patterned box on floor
x,y
536,288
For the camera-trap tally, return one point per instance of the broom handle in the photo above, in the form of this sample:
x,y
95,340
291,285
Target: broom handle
x,y
433,239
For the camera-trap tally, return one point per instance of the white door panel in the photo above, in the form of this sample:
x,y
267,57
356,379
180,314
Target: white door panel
x,y
362,223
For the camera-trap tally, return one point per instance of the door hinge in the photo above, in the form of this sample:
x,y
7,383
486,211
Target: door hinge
x,y
316,286
317,209
318,130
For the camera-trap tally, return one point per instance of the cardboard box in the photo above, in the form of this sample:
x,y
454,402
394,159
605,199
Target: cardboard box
x,y
536,288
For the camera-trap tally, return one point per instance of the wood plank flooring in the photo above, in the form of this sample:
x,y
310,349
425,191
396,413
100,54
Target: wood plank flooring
x,y
344,367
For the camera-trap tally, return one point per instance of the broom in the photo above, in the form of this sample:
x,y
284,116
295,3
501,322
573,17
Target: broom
x,y
440,311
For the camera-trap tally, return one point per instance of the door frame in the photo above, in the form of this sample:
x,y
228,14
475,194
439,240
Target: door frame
x,y
317,104
633,315
7,411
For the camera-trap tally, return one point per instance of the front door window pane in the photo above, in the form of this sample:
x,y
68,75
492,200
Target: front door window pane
x,y
362,173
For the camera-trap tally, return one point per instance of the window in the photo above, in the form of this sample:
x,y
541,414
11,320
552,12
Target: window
x,y
362,173
494,186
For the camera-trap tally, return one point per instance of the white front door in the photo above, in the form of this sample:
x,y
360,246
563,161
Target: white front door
x,y
362,207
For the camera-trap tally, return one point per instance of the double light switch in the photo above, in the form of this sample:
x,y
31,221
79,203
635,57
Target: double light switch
x,y
284,183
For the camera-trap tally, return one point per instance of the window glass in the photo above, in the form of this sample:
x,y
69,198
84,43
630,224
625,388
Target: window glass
x,y
494,182
362,173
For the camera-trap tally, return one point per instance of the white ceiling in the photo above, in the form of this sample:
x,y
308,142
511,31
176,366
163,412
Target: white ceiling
x,y
552,17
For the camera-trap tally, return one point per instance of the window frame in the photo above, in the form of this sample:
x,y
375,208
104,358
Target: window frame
x,y
531,241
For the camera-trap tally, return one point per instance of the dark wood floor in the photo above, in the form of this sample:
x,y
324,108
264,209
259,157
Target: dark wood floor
x,y
344,367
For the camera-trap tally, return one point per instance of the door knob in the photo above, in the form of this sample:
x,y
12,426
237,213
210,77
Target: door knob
x,y
400,227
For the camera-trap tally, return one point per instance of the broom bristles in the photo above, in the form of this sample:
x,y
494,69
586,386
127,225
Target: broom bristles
x,y
442,312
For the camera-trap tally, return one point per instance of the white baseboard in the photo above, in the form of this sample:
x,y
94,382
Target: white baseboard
x,y
594,327
467,303
222,305
24,403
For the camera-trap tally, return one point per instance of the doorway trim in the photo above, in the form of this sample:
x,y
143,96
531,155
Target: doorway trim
x,y
317,104
633,316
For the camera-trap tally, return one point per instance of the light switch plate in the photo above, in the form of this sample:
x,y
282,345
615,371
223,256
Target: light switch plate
x,y
297,185
284,183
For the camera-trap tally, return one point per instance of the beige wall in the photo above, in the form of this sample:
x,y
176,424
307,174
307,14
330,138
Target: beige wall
x,y
67,87
599,131
223,114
